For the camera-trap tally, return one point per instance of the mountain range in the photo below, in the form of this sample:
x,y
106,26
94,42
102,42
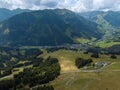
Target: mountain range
x,y
46,27
6,13
109,23
22,27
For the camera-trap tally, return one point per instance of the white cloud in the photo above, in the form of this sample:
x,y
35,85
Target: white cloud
x,y
75,5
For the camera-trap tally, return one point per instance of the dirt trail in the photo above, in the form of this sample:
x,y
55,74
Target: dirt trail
x,y
71,80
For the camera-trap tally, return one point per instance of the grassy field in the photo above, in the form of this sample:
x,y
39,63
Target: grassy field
x,y
114,66
67,58
106,79
88,81
15,71
82,40
71,78
104,44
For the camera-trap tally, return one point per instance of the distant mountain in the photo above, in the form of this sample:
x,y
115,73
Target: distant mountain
x,y
92,16
6,13
109,22
46,27
111,17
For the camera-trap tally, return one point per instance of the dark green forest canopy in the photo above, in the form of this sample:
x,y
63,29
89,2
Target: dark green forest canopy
x,y
41,72
46,27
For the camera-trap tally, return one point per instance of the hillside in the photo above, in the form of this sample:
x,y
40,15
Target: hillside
x,y
6,13
46,27
109,23
112,18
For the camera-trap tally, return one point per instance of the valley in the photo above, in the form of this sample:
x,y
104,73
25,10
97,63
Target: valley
x,y
59,49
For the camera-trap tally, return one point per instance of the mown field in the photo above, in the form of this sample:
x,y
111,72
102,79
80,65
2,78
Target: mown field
x,y
108,78
88,81
67,58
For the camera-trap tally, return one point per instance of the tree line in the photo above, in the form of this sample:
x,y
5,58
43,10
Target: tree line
x,y
45,71
80,62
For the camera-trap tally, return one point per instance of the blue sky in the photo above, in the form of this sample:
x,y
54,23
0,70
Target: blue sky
x,y
74,5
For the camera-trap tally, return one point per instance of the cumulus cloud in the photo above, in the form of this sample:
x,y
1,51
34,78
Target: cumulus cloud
x,y
74,5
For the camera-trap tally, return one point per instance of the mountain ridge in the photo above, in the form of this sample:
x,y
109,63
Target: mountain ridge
x,y
6,13
46,27
109,23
